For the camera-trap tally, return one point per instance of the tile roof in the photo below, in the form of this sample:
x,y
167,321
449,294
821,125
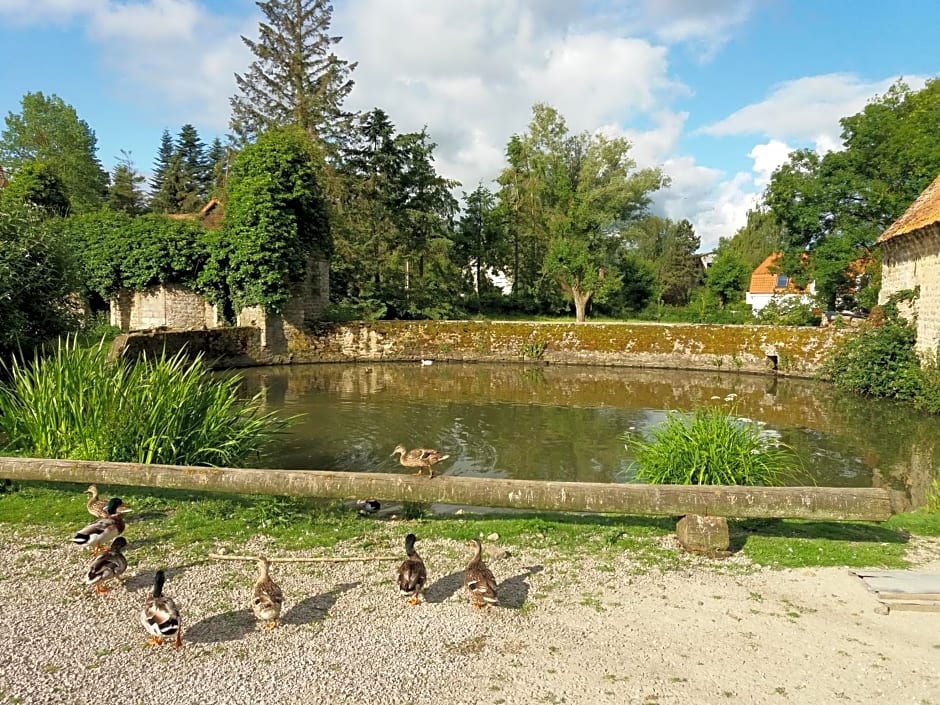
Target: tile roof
x,y
763,281
924,211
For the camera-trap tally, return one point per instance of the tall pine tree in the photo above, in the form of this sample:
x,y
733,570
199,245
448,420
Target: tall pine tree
x,y
125,193
160,200
296,78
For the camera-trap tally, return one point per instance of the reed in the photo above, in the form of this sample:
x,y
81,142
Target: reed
x,y
73,403
711,446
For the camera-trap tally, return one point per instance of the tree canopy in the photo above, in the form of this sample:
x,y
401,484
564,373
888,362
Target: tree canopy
x,y
48,131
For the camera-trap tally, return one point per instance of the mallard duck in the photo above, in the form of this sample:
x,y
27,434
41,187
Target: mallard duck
x,y
479,581
419,458
412,575
267,597
97,505
160,616
368,506
107,566
100,533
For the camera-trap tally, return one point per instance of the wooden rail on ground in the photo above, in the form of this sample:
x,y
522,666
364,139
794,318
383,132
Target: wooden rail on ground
x,y
823,503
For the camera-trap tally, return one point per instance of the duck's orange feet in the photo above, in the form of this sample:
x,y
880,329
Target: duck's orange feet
x,y
155,641
179,640
101,588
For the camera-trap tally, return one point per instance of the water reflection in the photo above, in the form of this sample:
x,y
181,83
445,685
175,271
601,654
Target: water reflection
x,y
563,423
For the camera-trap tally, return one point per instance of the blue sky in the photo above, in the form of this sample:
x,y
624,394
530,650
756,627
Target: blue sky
x,y
714,91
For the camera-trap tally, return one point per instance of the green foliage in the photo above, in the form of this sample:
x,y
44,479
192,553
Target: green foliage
x,y
710,447
48,131
727,277
36,184
789,311
74,403
566,198
37,279
118,251
758,238
879,361
275,219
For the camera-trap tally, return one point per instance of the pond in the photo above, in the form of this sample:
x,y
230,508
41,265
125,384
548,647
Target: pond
x,y
565,422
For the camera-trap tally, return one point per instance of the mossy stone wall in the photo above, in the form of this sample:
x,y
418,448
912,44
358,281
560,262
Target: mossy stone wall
x,y
792,351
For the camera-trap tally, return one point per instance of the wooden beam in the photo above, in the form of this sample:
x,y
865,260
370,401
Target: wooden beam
x,y
824,503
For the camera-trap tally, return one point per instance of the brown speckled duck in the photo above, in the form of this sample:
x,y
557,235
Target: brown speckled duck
x,y
412,574
419,458
478,580
107,566
266,597
97,506
100,533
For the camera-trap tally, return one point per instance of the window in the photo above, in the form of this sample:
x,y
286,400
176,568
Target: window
x,y
782,280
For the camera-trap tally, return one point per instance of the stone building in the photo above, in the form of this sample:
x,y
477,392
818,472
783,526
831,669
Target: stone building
x,y
911,261
178,308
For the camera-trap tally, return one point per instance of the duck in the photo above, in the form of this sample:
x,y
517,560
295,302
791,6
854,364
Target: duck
x,y
103,531
419,458
368,506
412,574
96,505
267,597
107,566
478,580
160,615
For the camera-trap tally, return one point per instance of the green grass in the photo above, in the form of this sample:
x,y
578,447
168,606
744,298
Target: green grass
x,y
76,404
710,446
195,523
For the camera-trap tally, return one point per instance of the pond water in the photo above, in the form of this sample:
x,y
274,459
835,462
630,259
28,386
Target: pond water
x,y
565,422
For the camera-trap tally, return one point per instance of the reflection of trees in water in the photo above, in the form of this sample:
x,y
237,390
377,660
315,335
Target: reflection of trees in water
x,y
859,440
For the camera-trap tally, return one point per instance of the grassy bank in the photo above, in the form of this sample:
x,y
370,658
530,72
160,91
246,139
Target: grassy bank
x,y
196,524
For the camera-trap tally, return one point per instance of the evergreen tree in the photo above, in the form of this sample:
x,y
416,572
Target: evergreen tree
x,y
218,159
195,170
296,78
125,193
161,166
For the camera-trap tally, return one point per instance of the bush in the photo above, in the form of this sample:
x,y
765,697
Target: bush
x,y
37,278
789,312
76,404
878,362
710,447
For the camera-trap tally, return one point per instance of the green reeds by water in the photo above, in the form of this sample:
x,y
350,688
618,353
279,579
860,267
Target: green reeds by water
x,y
711,446
74,403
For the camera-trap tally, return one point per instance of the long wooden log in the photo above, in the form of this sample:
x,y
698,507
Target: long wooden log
x,y
828,503
324,559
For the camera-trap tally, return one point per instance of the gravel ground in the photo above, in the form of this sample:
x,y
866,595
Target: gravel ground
x,y
594,631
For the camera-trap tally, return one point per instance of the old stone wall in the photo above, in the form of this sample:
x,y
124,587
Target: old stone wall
x,y
788,351
221,347
913,260
164,306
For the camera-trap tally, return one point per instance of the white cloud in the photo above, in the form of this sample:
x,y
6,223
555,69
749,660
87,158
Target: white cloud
x,y
806,109
767,157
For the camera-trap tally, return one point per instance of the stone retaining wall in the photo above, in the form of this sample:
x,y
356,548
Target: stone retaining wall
x,y
792,351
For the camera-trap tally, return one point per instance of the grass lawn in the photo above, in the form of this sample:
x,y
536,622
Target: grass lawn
x,y
198,523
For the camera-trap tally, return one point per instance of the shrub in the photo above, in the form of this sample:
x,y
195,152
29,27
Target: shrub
x,y
710,447
789,312
76,404
878,362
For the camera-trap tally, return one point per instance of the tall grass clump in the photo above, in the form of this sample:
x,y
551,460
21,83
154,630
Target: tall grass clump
x,y
710,447
76,404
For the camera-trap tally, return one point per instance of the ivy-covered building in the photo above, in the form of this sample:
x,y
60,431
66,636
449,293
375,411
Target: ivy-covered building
x,y
911,262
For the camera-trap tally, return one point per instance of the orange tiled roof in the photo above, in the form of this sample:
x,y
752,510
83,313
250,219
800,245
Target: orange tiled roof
x,y
924,211
763,281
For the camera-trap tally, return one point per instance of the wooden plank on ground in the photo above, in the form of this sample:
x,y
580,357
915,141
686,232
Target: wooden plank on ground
x,y
903,589
820,503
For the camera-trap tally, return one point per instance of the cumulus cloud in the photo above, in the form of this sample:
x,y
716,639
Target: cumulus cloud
x,y
806,109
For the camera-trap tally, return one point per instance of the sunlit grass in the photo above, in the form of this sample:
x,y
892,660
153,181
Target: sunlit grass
x,y
197,523
76,404
710,446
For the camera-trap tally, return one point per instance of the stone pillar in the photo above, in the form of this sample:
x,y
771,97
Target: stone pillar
x,y
703,534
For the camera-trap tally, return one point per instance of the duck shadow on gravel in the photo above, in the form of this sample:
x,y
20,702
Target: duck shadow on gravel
x,y
513,592
446,587
315,607
144,580
227,626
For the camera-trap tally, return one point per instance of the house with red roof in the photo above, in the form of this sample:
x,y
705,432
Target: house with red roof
x,y
768,284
